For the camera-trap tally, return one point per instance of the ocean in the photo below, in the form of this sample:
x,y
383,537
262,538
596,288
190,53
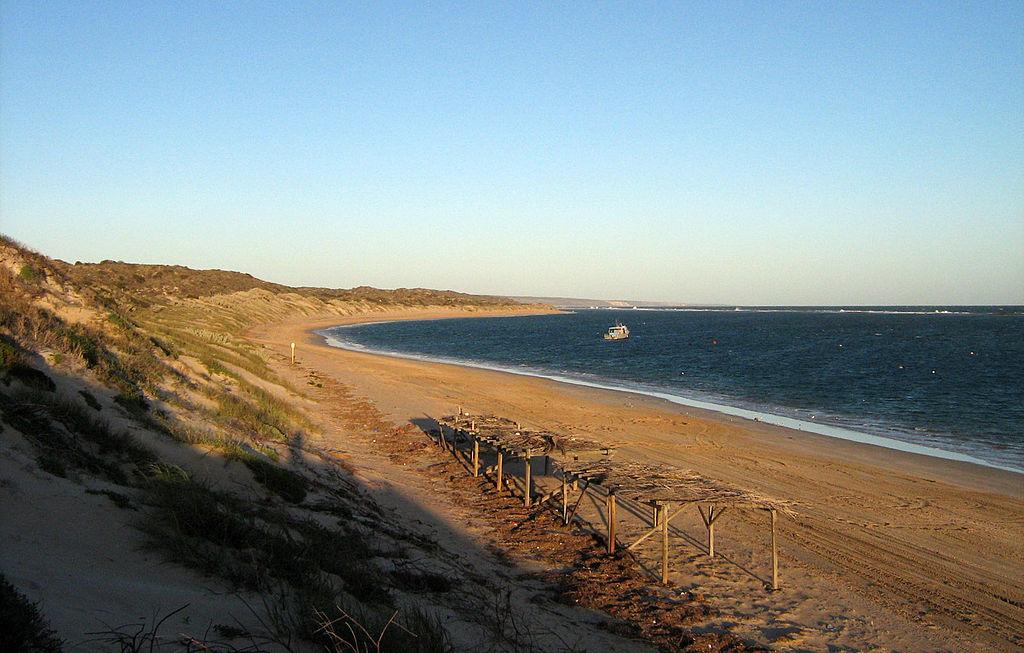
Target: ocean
x,y
942,381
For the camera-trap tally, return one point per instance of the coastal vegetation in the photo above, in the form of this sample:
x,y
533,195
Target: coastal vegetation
x,y
105,366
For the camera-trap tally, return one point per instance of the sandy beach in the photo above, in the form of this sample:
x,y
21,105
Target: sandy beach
x,y
887,550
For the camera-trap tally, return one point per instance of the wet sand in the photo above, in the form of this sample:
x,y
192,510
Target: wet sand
x,y
888,550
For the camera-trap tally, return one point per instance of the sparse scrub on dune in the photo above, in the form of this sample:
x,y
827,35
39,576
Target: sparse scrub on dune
x,y
221,535
187,433
14,367
31,274
353,630
288,485
332,587
22,627
131,370
90,400
218,351
10,353
66,436
257,414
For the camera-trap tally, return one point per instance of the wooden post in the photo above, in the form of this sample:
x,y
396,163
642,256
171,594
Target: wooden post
x,y
663,509
610,510
500,459
440,436
654,515
547,464
575,480
460,411
526,493
775,556
293,353
711,532
709,523
565,500
476,456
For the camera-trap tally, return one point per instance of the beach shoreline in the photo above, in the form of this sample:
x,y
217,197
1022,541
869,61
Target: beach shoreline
x,y
714,408
922,539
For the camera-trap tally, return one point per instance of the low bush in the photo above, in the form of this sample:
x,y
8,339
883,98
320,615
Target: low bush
x,y
288,485
22,627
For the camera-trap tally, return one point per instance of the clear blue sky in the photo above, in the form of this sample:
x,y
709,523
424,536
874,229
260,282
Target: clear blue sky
x,y
724,152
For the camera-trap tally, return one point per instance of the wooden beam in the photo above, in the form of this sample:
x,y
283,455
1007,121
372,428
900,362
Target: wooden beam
x,y
657,525
572,514
544,498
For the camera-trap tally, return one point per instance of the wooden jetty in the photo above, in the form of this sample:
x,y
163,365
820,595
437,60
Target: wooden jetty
x,y
666,489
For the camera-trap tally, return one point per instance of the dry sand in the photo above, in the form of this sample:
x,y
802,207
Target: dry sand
x,y
888,550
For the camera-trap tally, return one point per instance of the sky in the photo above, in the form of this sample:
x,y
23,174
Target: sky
x,y
722,152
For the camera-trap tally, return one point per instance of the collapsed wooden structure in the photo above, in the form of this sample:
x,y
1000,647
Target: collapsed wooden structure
x,y
508,440
667,490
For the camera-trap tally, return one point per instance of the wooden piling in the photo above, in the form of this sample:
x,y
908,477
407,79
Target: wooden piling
x,y
528,487
610,510
663,509
293,353
500,466
775,555
476,456
711,532
565,500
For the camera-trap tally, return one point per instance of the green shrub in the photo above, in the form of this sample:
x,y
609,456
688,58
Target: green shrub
x,y
31,274
90,400
31,377
10,353
22,627
283,482
85,441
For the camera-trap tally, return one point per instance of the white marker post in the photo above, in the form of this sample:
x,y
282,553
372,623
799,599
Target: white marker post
x,y
293,353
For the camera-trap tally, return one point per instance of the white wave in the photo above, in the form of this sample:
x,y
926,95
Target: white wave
x,y
815,427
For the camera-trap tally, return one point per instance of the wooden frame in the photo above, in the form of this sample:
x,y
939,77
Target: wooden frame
x,y
660,486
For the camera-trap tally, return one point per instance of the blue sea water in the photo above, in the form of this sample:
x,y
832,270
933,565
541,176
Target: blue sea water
x,y
946,381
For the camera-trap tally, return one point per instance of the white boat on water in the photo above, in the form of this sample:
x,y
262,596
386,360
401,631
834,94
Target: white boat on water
x,y
618,332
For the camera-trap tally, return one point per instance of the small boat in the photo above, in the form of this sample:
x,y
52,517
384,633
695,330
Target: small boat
x,y
618,332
